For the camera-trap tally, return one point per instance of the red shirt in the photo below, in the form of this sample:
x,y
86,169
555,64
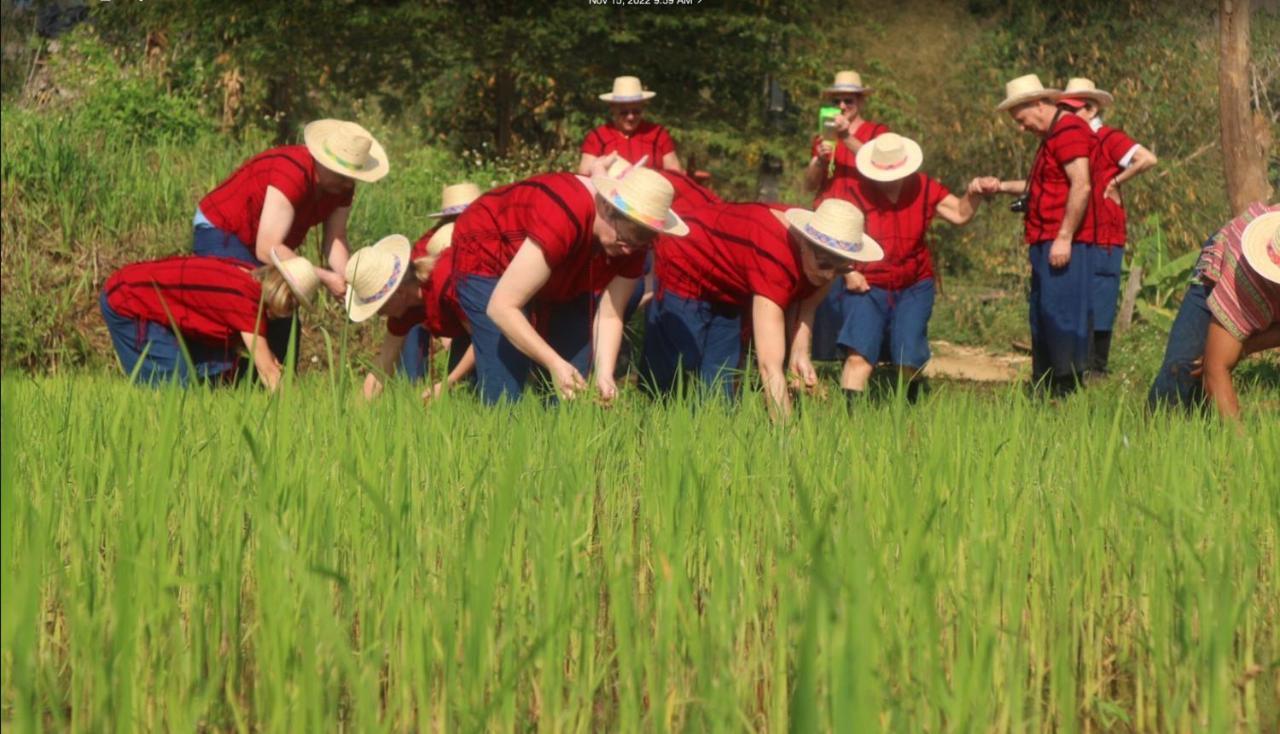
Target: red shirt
x,y
1110,220
649,139
211,299
900,229
555,210
236,205
400,325
442,314
846,169
690,194
1068,139
732,253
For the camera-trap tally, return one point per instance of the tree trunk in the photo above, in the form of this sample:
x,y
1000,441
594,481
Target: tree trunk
x,y
1242,157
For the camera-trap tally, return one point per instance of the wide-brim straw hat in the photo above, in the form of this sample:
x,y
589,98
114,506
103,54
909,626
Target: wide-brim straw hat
x,y
300,275
644,197
889,157
621,166
455,199
346,149
440,240
1261,246
846,82
1081,88
1026,89
373,275
627,89
837,227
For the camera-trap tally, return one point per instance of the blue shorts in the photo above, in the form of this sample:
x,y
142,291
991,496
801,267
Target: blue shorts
x,y
683,335
1058,313
501,368
1174,384
151,354
414,364
888,325
1105,264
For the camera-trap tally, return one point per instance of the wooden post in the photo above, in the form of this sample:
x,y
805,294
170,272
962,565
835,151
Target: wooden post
x,y
1131,287
1241,155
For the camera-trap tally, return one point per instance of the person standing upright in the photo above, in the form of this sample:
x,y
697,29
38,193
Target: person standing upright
x,y
848,133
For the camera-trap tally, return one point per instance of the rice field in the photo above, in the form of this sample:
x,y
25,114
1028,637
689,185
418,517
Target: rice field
x,y
235,561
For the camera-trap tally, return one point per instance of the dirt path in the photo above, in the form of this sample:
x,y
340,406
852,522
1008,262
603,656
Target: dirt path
x,y
956,362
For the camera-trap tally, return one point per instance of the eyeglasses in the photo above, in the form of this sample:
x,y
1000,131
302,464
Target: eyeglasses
x,y
631,234
629,111
848,101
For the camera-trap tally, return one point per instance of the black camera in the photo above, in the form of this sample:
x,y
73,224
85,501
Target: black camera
x,y
1019,205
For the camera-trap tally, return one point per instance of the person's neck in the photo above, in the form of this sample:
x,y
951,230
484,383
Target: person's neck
x,y
892,190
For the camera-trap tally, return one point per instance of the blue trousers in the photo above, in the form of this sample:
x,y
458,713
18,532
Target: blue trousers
x,y
501,368
417,344
1174,385
1058,312
890,325
153,350
1105,264
688,336
210,241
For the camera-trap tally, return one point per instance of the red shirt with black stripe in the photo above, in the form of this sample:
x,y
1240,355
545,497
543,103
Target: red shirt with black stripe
x,y
649,139
210,299
235,206
555,210
689,194
442,314
1069,138
1113,147
836,184
732,253
900,228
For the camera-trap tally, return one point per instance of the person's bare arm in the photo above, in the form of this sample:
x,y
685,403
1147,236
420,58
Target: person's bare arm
x,y
1222,352
959,210
385,366
671,162
273,227
1143,160
587,165
334,246
801,339
607,330
1077,171
769,324
263,360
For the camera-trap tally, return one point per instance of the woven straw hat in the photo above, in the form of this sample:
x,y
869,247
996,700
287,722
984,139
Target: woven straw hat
x,y
454,199
1025,89
627,89
299,275
889,157
374,273
846,82
644,197
837,227
1261,246
1081,88
621,166
441,240
346,148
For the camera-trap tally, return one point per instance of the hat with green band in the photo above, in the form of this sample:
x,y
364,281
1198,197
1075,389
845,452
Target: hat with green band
x,y
347,149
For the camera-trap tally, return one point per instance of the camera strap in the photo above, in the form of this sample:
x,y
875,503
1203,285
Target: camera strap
x,y
1035,162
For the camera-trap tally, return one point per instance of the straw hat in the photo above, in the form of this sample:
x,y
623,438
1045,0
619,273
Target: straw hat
x,y
1081,88
837,227
299,275
374,273
644,197
346,148
1025,89
1261,246
889,157
846,82
621,166
627,89
440,240
454,199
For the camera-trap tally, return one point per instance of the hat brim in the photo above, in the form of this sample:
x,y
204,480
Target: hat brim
x,y
1253,243
835,91
869,252
314,135
672,223
449,211
611,98
1099,97
866,167
278,264
1010,102
397,245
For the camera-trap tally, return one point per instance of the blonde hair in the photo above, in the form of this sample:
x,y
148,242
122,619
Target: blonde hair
x,y
423,266
276,292
439,242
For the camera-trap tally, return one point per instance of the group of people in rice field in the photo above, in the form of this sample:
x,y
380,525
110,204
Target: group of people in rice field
x,y
543,274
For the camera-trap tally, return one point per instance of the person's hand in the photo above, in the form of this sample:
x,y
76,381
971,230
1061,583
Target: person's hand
x,y
1060,253
644,300
856,282
336,284
1197,368
568,380
600,166
433,392
825,149
803,375
984,186
372,386
1112,192
607,387
840,125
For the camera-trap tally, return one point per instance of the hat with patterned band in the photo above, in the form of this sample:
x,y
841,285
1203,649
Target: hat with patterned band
x,y
455,199
1080,89
1261,246
889,157
846,82
627,89
347,149
837,227
374,273
644,197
